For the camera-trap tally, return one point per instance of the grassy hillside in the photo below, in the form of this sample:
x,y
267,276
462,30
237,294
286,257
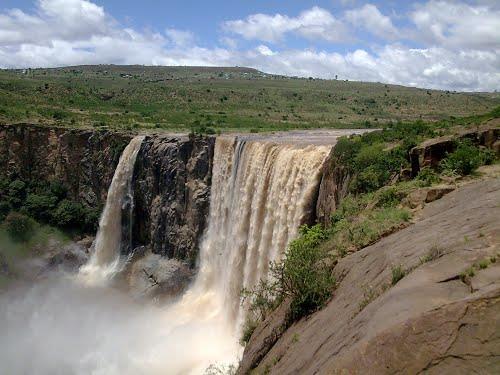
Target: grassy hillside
x,y
222,99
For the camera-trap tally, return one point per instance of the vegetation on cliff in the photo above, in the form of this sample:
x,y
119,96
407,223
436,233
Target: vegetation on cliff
x,y
46,203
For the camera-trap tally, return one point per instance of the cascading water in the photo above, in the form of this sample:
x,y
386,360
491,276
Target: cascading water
x,y
105,259
261,192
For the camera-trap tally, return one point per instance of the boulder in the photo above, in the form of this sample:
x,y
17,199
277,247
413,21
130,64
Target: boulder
x,y
431,152
419,197
157,277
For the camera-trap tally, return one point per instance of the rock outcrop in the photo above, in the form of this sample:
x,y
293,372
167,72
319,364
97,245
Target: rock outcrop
x,y
431,152
156,277
171,194
442,317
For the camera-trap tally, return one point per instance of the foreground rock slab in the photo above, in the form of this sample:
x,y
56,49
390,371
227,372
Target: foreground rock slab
x,y
443,317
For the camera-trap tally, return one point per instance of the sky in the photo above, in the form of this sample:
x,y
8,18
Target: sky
x,y
443,44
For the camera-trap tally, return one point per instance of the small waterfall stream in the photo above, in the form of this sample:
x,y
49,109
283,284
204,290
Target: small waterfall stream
x,y
105,260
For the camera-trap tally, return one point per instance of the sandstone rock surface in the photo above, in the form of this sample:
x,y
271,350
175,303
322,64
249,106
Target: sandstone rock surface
x,y
435,320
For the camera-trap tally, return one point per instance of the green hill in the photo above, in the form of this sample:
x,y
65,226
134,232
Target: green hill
x,y
221,99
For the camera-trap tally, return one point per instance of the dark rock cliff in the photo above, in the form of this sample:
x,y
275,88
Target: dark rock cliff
x,y
333,188
172,188
83,160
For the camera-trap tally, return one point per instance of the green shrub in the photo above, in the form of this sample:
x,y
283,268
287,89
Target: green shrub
x,y
305,274
466,158
248,330
4,209
373,166
19,227
428,176
389,196
58,190
16,193
68,214
91,219
264,297
40,207
349,206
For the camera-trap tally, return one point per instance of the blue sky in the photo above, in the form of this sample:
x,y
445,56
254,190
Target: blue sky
x,y
435,43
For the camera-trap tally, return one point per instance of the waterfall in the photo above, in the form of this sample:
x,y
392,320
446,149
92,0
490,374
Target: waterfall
x,y
107,247
261,193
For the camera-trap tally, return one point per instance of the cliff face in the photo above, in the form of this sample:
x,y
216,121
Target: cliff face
x,y
83,160
333,188
171,194
171,178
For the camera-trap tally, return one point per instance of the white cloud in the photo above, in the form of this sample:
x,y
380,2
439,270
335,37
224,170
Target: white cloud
x,y
314,23
180,37
68,20
458,25
369,18
81,32
228,42
265,50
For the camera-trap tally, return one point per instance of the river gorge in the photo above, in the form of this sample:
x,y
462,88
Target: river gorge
x,y
215,211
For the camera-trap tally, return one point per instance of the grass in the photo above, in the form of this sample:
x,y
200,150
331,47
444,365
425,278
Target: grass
x,y
435,252
398,272
222,99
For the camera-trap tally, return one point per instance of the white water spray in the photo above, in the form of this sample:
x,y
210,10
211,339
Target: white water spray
x,y
105,260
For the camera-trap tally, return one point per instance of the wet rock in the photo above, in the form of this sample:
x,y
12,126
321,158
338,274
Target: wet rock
x,y
333,188
86,242
172,187
69,258
154,276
